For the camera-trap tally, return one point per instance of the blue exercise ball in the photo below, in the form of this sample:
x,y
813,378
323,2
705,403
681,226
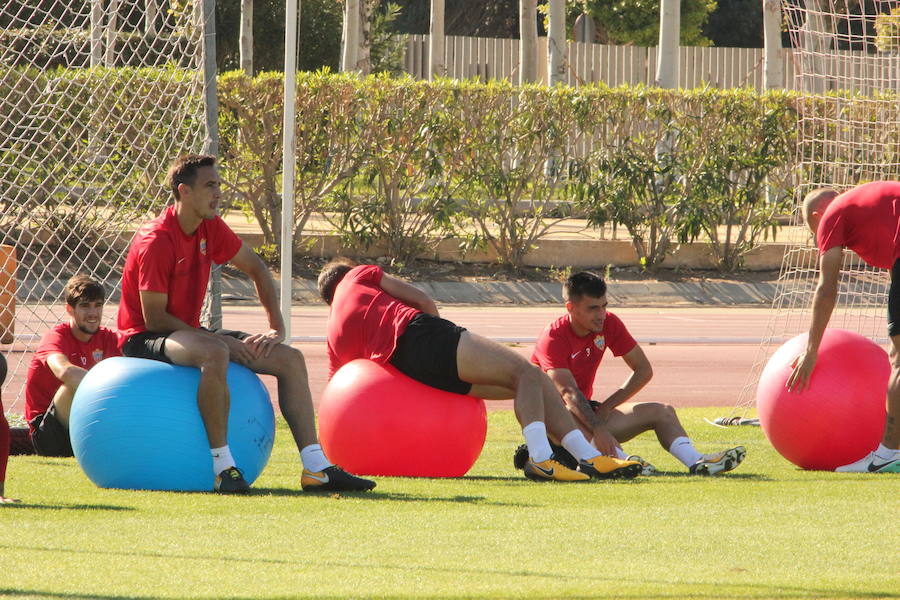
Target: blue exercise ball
x,y
135,424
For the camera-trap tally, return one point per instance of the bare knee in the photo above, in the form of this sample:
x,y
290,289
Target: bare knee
x,y
659,412
284,361
213,356
528,375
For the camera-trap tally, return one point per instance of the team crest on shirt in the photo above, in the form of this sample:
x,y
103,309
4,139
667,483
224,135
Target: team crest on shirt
x,y
600,342
97,355
203,246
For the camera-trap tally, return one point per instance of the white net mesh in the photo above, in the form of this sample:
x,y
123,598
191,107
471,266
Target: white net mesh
x,y
96,98
847,59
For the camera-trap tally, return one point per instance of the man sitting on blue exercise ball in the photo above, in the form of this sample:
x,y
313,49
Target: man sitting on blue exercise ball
x,y
163,287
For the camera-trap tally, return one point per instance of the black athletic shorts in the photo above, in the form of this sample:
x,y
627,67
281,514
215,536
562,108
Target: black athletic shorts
x,y
153,345
49,436
427,352
894,301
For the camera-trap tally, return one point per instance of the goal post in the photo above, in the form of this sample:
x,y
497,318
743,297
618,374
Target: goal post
x,y
96,98
847,64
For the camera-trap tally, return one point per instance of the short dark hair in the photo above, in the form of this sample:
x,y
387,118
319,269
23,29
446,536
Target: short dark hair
x,y
331,275
83,288
184,170
583,283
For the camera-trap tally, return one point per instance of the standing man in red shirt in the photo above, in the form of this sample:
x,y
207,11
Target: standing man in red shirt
x,y
570,350
163,287
4,439
61,361
384,319
865,219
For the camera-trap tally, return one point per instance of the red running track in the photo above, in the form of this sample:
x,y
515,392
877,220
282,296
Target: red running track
x,y
700,356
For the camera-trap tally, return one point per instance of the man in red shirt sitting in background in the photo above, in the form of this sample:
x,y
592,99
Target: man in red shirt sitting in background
x,y
570,350
865,219
61,361
383,319
163,288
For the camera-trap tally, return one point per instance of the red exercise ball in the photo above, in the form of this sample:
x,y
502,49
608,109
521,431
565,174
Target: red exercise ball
x,y
374,420
840,417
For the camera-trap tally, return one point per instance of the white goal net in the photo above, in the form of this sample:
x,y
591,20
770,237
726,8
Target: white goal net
x,y
96,98
847,64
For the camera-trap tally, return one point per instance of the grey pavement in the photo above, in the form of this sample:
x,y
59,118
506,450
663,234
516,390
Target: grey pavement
x,y
632,293
650,293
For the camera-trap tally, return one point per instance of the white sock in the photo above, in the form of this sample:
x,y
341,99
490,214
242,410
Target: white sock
x,y
683,449
222,459
886,454
536,439
578,446
313,458
621,454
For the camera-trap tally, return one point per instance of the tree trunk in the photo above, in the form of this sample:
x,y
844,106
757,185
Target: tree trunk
x,y
112,31
436,66
585,30
527,41
151,12
557,49
669,43
350,37
774,70
364,54
96,32
246,37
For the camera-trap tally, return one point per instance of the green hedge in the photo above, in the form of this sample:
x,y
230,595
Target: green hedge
x,y
401,162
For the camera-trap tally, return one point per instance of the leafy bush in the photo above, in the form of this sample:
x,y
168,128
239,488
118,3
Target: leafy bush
x,y
630,174
515,144
740,146
400,197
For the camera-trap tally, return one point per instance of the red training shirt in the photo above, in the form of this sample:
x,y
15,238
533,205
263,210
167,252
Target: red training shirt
x,y
41,384
865,219
559,348
163,258
365,321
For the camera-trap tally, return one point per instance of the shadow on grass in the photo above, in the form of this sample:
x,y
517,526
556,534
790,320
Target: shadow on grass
x,y
720,477
15,593
377,496
24,505
744,591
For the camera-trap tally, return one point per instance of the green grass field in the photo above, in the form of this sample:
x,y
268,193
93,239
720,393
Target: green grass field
x,y
768,530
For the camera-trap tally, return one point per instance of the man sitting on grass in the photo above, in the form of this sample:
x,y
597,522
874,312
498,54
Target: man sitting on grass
x,y
61,361
570,350
163,288
381,318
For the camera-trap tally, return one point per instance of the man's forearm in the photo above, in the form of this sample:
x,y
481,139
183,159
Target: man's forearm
x,y
635,383
268,298
72,375
588,416
823,305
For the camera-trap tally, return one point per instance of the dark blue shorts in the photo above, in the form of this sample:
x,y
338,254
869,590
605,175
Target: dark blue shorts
x,y
153,345
49,436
